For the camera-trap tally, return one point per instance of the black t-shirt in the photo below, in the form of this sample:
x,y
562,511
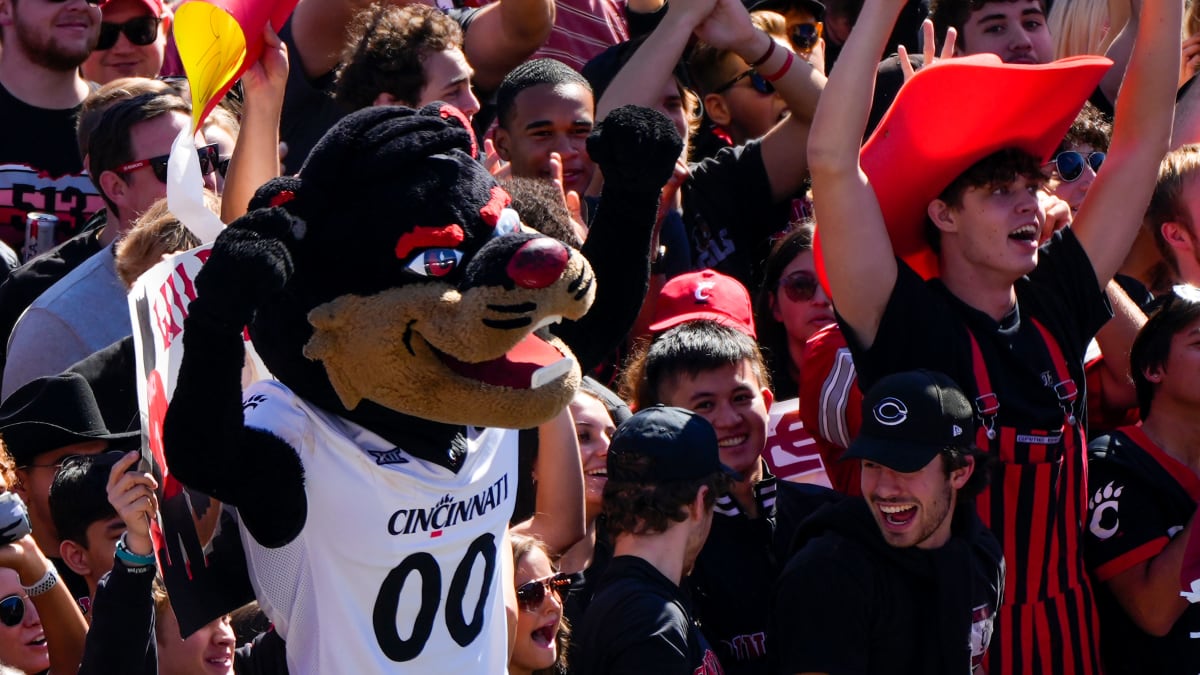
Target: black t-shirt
x,y
734,576
30,280
729,212
850,604
1141,498
923,327
41,169
639,622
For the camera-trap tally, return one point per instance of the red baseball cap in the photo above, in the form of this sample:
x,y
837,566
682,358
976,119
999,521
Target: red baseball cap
x,y
154,6
704,295
953,114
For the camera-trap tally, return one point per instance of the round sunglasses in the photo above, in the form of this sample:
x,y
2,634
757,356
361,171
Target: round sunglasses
x,y
804,37
1069,164
530,596
758,82
12,610
141,31
799,286
208,162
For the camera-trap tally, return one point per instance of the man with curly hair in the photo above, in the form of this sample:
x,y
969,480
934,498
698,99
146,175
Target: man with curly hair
x,y
411,55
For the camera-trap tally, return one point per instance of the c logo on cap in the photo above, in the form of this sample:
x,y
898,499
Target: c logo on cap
x,y
890,412
702,289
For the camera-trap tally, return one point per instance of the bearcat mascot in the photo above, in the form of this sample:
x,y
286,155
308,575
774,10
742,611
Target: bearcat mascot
x,y
409,321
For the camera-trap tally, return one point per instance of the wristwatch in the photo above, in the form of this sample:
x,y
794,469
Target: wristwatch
x,y
130,558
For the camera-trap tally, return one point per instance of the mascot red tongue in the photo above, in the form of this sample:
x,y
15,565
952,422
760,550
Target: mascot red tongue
x,y
390,400
391,290
519,368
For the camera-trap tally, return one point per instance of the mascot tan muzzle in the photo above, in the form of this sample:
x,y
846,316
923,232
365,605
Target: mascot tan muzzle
x,y
478,341
400,277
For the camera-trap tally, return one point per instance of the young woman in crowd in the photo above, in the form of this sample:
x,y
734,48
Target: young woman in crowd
x,y
541,631
790,307
41,631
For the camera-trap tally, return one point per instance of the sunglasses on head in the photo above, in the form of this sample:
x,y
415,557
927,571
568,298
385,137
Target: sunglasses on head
x,y
141,31
1069,164
530,596
208,161
804,36
799,286
12,610
758,82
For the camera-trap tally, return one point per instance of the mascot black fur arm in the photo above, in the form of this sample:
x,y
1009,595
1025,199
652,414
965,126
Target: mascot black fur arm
x,y
402,310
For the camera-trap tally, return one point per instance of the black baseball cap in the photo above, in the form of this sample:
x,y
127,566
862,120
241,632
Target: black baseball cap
x,y
908,418
663,444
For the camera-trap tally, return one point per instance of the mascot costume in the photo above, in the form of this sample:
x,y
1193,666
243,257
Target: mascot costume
x,y
407,317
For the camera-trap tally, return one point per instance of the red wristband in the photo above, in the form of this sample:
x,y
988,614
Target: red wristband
x,y
787,65
767,55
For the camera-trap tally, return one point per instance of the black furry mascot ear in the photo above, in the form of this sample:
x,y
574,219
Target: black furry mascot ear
x,y
403,310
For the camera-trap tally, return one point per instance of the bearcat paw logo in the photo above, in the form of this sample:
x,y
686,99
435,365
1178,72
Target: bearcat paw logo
x,y
1103,524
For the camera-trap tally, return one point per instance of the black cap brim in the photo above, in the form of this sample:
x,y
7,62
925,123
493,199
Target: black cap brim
x,y
897,455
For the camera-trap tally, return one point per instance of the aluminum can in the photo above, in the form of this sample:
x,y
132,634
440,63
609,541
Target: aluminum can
x,y
39,234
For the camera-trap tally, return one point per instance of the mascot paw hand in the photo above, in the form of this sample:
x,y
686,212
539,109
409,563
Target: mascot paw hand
x,y
635,148
250,262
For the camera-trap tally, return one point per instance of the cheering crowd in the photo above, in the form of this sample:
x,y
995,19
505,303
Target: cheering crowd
x,y
912,391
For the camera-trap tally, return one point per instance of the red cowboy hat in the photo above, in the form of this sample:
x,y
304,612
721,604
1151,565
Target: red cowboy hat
x,y
953,114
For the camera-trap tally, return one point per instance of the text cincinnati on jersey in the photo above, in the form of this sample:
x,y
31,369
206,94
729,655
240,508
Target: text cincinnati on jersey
x,y
448,512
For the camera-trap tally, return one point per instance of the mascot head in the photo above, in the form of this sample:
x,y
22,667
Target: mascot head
x,y
415,287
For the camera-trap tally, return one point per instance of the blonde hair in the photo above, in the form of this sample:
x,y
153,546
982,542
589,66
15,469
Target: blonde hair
x,y
771,23
154,234
1086,26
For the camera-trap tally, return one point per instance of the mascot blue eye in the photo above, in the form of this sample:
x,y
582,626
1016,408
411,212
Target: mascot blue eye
x,y
509,222
435,262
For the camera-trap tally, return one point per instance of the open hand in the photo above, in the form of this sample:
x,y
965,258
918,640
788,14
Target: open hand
x,y
930,44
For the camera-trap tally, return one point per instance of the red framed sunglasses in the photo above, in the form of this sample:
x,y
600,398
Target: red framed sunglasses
x,y
208,162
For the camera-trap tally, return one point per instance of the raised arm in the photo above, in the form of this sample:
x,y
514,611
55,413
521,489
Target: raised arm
x,y
503,35
255,158
558,508
798,82
1111,214
640,80
859,260
62,621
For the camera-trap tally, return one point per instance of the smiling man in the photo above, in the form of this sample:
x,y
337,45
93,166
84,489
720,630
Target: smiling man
x,y
40,95
905,579
543,107
133,39
713,367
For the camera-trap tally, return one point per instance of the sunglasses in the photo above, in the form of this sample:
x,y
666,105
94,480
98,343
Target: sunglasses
x,y
1069,164
12,610
141,31
799,286
223,166
804,36
208,161
758,82
530,596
